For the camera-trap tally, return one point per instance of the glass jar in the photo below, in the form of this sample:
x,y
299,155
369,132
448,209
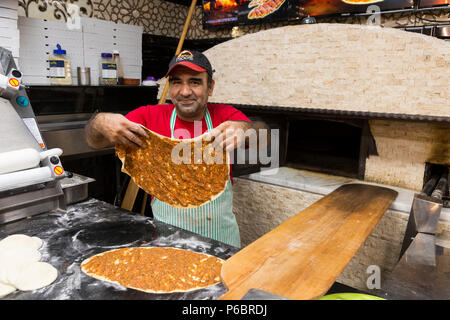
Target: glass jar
x,y
116,58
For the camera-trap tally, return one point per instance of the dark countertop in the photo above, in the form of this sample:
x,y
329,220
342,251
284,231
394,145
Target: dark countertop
x,y
93,226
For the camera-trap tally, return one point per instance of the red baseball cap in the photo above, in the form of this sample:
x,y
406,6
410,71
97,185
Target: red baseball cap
x,y
192,59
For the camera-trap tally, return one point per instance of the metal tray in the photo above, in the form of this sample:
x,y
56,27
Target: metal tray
x,y
75,188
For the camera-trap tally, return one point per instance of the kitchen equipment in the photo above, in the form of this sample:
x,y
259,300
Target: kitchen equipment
x,y
84,76
419,241
255,294
75,188
301,258
24,159
29,173
423,270
442,32
419,281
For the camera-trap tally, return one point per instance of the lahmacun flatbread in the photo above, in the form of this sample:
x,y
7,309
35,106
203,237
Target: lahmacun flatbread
x,y
173,176
155,269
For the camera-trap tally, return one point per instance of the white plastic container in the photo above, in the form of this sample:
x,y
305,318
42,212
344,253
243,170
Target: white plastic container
x,y
150,81
108,70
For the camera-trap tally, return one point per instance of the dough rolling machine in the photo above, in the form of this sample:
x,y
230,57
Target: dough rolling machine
x,y
30,174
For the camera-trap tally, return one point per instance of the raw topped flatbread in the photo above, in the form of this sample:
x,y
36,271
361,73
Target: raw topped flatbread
x,y
155,269
183,180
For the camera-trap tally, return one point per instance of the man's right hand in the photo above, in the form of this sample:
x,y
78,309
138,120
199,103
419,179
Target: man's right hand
x,y
109,129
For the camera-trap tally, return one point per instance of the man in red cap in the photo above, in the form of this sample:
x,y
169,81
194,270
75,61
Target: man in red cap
x,y
190,84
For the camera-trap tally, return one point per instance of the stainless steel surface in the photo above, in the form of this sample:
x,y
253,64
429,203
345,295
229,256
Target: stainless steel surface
x,y
442,32
75,188
14,134
24,204
84,76
256,294
426,212
72,141
63,118
66,131
419,239
413,281
421,250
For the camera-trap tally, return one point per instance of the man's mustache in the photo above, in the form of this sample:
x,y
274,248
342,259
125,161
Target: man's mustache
x,y
191,97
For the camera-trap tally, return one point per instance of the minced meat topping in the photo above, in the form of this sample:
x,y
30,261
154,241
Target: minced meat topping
x,y
177,179
155,269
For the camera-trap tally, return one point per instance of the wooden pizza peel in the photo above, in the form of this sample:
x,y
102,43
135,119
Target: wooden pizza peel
x,y
301,258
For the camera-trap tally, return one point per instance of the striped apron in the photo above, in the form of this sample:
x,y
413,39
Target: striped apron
x,y
214,219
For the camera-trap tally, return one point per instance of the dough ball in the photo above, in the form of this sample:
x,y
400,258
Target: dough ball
x,y
20,254
9,269
38,242
34,276
6,289
20,240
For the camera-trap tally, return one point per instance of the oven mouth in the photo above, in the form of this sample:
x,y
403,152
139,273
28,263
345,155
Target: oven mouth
x,y
325,146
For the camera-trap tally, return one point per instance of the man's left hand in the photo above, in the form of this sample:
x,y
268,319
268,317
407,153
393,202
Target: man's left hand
x,y
229,135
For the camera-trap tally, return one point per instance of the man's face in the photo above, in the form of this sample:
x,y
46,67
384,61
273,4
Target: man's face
x,y
189,92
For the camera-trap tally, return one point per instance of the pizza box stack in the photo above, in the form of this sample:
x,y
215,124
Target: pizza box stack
x,y
9,32
38,39
100,36
129,44
97,38
84,45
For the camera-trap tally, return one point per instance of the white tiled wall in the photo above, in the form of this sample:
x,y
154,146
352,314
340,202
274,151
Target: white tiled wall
x,y
84,46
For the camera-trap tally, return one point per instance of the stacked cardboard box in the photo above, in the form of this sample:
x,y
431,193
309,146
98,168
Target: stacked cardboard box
x,y
38,40
100,36
83,45
9,33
